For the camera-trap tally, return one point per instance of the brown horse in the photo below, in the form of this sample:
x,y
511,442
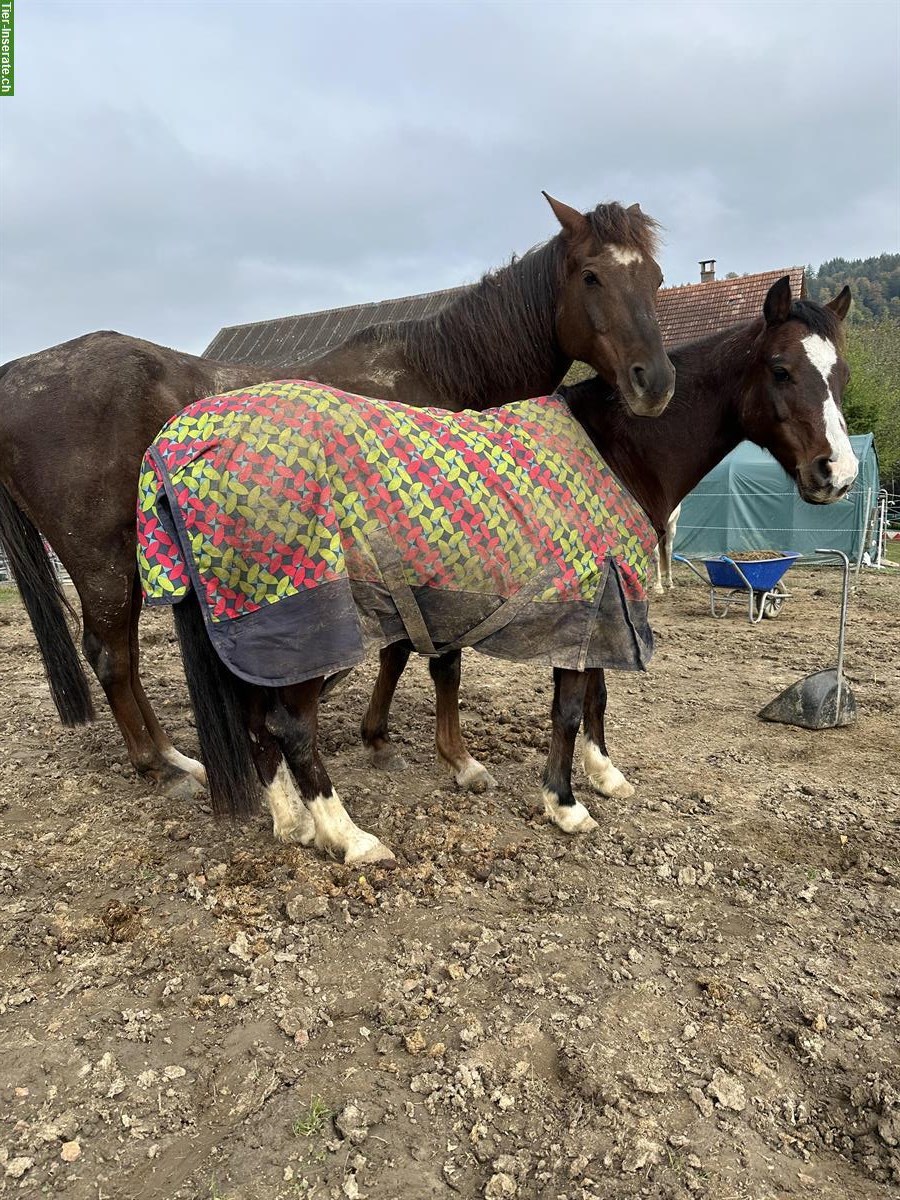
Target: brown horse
x,y
777,380
76,419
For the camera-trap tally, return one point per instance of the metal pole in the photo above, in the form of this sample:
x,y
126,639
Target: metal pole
x,y
865,536
845,567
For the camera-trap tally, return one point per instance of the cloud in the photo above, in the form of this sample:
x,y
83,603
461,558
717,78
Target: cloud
x,y
172,169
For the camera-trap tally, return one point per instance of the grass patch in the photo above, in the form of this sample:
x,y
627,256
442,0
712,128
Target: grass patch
x,y
313,1120
892,551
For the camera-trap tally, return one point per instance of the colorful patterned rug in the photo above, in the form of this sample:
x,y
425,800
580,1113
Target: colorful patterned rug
x,y
315,524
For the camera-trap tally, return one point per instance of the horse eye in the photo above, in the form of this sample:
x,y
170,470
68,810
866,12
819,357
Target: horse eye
x,y
781,375
590,278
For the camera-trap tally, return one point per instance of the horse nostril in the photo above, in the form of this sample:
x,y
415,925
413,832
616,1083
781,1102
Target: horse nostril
x,y
822,469
638,379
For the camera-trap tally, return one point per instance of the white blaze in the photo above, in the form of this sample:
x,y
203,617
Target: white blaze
x,y
624,255
844,466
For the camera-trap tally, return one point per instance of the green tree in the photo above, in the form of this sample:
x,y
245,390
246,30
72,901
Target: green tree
x,y
872,397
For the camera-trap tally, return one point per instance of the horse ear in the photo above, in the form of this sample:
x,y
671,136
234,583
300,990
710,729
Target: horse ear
x,y
574,223
777,307
841,303
635,210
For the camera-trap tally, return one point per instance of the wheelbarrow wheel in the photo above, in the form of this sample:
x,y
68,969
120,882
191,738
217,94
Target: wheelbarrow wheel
x,y
773,604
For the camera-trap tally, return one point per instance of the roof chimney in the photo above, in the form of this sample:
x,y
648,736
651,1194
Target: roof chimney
x,y
708,270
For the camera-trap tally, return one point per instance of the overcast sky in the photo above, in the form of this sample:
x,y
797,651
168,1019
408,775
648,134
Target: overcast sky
x,y
167,168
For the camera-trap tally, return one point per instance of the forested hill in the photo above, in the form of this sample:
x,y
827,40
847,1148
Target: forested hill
x,y
875,283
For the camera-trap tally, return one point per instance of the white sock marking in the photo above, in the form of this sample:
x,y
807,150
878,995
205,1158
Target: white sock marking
x,y
290,820
472,776
844,467
190,766
604,778
624,255
340,838
571,818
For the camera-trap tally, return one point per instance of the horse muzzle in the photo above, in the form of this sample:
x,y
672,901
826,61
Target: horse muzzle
x,y
825,479
648,388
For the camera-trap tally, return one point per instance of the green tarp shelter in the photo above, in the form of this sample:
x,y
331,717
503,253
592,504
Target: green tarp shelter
x,y
748,502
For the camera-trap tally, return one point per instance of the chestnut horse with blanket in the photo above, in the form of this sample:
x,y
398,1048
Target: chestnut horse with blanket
x,y
76,419
289,525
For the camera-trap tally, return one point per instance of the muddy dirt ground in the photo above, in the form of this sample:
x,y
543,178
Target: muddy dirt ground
x,y
699,999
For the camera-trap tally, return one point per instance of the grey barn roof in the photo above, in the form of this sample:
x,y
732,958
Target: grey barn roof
x,y
685,313
286,340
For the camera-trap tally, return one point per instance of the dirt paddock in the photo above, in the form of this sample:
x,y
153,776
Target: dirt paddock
x,y
700,999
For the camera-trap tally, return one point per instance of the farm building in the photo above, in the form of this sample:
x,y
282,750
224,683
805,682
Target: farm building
x,y
685,313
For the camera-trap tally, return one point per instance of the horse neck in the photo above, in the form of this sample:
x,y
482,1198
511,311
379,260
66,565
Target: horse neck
x,y
497,342
661,459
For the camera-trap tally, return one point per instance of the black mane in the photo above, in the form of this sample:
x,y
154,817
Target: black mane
x,y
501,331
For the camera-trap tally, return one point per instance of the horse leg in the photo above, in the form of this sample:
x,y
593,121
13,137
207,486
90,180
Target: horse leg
x,y
374,730
560,804
294,723
670,582
291,821
451,749
107,647
658,553
596,763
181,762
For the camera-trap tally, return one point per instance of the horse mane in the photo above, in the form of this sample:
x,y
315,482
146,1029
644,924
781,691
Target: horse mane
x,y
493,336
499,334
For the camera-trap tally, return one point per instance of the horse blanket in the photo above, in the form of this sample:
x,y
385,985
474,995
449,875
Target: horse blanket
x,y
314,525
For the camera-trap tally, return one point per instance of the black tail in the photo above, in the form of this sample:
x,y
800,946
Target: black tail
x,y
217,698
46,606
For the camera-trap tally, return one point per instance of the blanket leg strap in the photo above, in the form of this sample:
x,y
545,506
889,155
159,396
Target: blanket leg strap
x,y
505,612
394,579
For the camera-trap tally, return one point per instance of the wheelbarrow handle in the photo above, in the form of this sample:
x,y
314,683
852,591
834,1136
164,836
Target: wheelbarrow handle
x,y
687,562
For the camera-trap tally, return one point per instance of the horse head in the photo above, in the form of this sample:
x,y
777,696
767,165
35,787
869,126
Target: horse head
x,y
606,315
793,405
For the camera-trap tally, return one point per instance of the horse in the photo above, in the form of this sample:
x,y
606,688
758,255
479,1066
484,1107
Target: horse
x,y
662,555
778,381
653,442
76,419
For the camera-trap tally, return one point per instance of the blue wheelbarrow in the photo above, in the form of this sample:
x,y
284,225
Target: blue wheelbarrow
x,y
756,584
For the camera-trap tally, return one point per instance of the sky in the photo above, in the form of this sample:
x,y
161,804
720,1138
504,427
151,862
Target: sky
x,y
167,168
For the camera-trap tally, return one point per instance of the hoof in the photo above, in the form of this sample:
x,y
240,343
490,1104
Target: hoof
x,y
570,818
603,776
182,787
367,849
475,778
301,834
387,758
613,784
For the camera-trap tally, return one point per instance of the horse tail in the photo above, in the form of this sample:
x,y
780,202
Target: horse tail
x,y
46,605
217,697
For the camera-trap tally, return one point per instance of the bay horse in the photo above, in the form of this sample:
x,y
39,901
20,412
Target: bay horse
x,y
778,381
76,419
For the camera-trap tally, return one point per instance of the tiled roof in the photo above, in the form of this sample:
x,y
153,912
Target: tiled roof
x,y
685,313
696,309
